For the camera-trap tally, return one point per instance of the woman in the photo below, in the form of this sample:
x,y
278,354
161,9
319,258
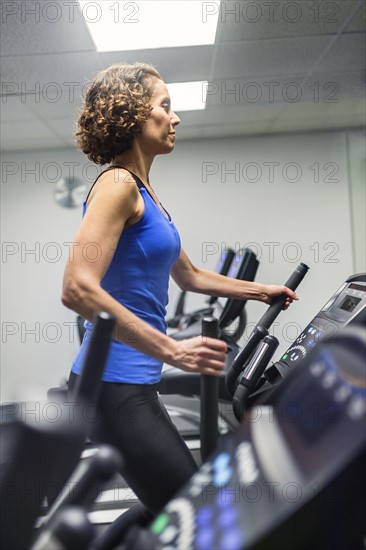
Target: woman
x,y
126,121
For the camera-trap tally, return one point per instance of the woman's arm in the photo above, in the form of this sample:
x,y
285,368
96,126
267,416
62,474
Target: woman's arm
x,y
113,205
191,278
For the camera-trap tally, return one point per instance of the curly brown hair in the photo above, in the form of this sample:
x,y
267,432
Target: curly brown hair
x,y
115,107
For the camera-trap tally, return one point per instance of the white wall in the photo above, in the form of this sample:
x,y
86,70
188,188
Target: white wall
x,y
356,141
303,214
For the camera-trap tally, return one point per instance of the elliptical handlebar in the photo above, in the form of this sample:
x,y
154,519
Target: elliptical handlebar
x,y
277,305
87,482
209,397
252,373
89,382
261,329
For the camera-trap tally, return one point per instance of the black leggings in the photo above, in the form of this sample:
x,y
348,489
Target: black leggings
x,y
157,462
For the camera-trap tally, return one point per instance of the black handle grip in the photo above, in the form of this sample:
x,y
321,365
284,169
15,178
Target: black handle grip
x,y
89,382
243,356
277,306
257,365
209,397
210,327
252,374
261,329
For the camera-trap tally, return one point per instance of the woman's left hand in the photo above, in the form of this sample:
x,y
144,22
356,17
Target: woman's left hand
x,y
270,292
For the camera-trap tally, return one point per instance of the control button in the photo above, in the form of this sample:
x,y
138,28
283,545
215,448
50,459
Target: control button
x,y
296,352
204,539
228,517
301,338
200,480
160,523
311,330
247,470
310,343
329,380
317,369
223,476
206,468
357,407
186,521
342,393
222,461
204,516
195,490
232,540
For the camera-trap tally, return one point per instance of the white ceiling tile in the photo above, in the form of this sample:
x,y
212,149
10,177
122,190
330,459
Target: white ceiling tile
x,y
174,64
32,27
320,87
65,106
358,21
13,109
40,72
239,21
348,53
292,56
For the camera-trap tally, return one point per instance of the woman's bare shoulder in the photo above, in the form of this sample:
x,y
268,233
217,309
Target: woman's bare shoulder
x,y
115,183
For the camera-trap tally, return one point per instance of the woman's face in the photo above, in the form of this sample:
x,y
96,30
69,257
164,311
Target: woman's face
x,y
158,132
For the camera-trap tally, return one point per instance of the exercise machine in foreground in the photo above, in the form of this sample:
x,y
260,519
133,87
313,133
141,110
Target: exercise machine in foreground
x,y
292,475
328,462
40,455
348,315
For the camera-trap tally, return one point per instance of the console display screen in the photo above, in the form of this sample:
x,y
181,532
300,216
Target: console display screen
x,y
349,303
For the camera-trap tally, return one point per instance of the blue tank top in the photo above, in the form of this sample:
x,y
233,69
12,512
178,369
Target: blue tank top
x,y
138,278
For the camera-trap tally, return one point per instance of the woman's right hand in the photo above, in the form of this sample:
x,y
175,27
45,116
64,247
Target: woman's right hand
x,y
200,354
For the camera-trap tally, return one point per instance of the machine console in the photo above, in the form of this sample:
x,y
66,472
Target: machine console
x,y
345,306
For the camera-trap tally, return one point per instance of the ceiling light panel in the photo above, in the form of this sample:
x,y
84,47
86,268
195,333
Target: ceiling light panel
x,y
188,96
124,26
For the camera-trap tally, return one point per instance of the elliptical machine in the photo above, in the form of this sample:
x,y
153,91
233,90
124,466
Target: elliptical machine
x,y
39,453
300,456
223,267
280,479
